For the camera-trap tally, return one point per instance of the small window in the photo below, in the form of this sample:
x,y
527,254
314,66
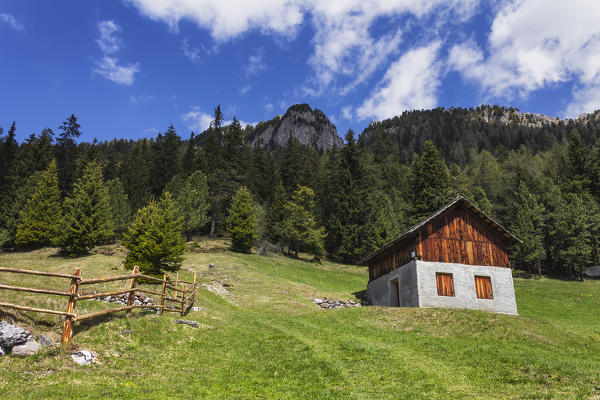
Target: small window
x,y
483,287
445,284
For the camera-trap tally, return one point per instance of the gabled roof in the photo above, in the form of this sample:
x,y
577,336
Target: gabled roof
x,y
460,200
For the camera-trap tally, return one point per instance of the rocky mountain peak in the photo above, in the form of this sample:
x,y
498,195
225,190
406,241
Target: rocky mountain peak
x,y
309,126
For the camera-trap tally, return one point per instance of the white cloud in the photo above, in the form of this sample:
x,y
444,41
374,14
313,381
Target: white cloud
x,y
109,40
11,21
536,44
346,52
347,112
109,66
411,82
141,99
193,53
244,89
256,62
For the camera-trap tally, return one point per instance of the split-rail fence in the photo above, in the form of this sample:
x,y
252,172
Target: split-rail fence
x,y
182,296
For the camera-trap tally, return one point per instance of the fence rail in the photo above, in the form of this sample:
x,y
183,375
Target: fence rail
x,y
184,303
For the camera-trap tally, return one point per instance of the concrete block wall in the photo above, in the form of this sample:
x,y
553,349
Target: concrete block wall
x,y
418,287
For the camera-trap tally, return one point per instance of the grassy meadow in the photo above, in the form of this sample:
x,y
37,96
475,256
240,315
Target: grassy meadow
x,y
267,340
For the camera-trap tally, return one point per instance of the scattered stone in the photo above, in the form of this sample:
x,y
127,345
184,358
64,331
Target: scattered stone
x,y
211,265
11,335
83,357
218,288
199,308
44,340
335,303
126,332
139,299
2,353
193,324
27,349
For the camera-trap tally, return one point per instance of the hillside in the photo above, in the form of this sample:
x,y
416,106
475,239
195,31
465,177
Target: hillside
x,y
309,126
269,340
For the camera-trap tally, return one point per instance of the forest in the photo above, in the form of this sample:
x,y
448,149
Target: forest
x,y
540,181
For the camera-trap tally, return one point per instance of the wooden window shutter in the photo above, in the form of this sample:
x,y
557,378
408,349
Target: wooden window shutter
x,y
483,287
445,284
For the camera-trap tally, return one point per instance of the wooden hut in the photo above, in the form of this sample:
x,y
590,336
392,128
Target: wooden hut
x,y
457,257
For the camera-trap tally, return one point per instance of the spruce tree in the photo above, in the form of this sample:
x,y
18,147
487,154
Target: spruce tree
x,y
241,222
119,206
276,214
431,182
165,160
66,153
527,226
87,220
191,197
153,240
41,217
300,229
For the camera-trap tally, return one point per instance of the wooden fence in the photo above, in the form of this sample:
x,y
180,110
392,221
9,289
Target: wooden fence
x,y
182,296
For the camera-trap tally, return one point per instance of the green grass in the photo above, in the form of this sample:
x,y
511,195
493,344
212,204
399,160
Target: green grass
x,y
271,341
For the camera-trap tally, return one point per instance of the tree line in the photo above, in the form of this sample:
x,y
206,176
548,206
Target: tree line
x,y
343,203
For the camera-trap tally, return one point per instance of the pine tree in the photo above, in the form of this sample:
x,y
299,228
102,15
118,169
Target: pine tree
x,y
527,226
41,217
154,238
276,214
87,220
241,222
119,206
300,230
431,182
191,197
165,160
66,153
189,163
135,176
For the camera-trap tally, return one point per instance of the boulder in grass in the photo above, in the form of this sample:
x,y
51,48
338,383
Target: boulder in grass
x,y
592,272
83,357
27,349
11,336
2,353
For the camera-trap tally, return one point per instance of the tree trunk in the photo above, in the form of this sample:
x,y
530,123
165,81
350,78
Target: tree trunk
x,y
213,221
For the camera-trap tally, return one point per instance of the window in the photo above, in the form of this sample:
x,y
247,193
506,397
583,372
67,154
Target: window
x,y
483,287
445,284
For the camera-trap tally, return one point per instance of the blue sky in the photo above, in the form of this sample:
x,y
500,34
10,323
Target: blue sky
x,y
130,68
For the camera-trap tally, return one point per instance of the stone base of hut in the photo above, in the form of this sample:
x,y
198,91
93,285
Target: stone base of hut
x,y
415,284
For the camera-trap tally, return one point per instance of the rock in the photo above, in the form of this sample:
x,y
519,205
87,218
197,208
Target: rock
x,y
126,332
83,357
324,305
193,324
318,301
11,335
198,308
2,353
211,265
27,349
44,340
592,272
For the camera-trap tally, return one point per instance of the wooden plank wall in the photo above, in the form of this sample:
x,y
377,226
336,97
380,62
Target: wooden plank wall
x,y
459,236
392,258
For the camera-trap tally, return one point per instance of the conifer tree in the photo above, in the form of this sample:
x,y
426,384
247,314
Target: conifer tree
x,y
41,217
189,163
300,229
241,222
87,220
527,226
166,160
276,214
135,176
119,206
153,240
66,153
191,197
431,182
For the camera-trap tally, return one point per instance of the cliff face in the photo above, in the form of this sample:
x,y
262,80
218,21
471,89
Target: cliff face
x,y
308,126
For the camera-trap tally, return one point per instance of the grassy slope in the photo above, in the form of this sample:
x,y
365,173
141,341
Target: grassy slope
x,y
274,343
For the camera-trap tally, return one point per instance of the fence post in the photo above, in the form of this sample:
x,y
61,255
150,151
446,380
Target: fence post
x,y
194,290
183,299
162,296
67,332
131,296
